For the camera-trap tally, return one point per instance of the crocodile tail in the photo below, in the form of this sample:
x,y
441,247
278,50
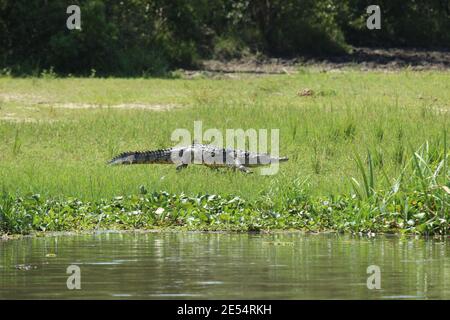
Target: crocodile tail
x,y
142,157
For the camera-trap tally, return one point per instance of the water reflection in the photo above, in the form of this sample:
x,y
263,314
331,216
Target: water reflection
x,y
224,266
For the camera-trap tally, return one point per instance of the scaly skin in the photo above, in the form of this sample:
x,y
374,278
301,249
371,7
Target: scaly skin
x,y
208,155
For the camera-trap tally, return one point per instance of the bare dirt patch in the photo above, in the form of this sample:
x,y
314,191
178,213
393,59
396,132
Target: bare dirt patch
x,y
140,106
35,108
20,97
12,117
390,59
38,101
251,65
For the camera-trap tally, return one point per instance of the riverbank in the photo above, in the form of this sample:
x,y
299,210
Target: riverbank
x,y
368,152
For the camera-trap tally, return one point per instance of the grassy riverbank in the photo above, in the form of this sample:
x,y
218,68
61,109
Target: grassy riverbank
x,y
367,152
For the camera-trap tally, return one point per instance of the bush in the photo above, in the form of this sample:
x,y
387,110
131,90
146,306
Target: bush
x,y
145,37
227,48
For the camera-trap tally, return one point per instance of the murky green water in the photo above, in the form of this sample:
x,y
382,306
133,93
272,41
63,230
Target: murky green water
x,y
224,266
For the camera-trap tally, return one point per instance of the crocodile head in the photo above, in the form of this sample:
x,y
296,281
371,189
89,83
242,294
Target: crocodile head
x,y
255,160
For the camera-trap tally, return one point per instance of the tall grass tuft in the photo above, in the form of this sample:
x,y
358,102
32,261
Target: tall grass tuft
x,y
420,194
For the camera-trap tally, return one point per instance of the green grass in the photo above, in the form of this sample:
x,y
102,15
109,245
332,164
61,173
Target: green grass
x,y
359,136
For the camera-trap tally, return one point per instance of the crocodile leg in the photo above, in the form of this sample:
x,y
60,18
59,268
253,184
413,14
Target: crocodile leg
x,y
239,166
244,169
181,166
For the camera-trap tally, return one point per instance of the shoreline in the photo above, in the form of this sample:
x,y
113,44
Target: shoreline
x,y
168,230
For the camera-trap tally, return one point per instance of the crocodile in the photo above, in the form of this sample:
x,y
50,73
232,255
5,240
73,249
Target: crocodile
x,y
204,154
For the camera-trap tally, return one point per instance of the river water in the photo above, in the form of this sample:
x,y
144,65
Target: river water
x,y
194,265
